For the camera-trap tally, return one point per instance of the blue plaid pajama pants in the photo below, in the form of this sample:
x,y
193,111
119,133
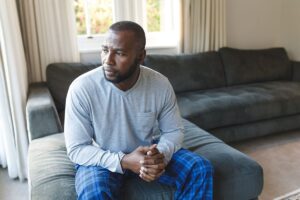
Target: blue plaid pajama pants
x,y
191,174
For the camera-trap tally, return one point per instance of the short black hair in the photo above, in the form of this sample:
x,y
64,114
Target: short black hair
x,y
131,26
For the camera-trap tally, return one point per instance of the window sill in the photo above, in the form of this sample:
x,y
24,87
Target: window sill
x,y
97,50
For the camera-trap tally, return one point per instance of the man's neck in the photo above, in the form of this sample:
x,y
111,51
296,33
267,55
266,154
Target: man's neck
x,y
129,83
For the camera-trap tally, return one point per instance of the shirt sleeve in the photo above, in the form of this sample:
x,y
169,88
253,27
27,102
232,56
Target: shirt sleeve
x,y
170,125
79,135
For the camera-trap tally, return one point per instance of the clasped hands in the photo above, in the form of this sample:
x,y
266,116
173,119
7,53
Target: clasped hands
x,y
148,162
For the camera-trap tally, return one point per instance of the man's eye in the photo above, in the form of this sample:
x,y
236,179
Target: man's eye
x,y
120,53
104,50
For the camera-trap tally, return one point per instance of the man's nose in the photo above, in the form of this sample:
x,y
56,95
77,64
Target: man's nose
x,y
109,58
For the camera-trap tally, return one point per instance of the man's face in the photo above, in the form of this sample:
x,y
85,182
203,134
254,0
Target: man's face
x,y
121,56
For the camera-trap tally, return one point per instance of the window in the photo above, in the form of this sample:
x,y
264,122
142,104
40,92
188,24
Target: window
x,y
93,17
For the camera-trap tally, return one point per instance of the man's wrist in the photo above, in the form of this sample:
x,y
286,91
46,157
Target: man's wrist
x,y
163,150
121,158
123,162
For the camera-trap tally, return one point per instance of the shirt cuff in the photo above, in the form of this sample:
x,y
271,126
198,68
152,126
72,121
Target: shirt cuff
x,y
164,150
119,167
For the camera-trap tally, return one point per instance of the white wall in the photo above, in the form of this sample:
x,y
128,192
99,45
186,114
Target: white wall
x,y
253,24
290,28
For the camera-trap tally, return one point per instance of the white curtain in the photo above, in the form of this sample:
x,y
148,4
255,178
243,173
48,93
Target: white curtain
x,y
202,26
49,34
13,91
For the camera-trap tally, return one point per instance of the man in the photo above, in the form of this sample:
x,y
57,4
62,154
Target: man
x,y
110,119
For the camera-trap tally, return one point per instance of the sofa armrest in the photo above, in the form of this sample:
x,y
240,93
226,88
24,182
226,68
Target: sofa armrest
x,y
296,70
41,115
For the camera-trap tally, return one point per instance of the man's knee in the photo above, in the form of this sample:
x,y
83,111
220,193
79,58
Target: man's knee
x,y
193,161
203,166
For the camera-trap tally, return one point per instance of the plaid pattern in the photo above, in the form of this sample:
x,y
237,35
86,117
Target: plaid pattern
x,y
195,185
98,183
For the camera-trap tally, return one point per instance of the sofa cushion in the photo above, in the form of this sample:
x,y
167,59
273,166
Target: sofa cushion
x,y
257,129
61,75
249,66
240,104
189,72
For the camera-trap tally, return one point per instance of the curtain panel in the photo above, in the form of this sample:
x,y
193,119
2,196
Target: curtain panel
x,y
13,91
202,26
49,34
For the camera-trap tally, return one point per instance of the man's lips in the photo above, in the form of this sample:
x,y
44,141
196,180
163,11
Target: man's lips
x,y
109,71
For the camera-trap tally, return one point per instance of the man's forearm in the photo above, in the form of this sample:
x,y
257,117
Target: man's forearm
x,y
90,155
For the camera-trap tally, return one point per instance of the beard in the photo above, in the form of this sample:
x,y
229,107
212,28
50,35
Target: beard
x,y
123,77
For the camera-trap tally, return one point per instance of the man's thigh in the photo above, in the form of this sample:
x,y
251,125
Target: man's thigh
x,y
92,182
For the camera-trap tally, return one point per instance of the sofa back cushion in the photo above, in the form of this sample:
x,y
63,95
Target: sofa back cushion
x,y
189,72
60,76
249,66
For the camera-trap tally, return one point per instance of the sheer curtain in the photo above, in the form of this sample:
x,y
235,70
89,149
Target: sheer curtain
x,y
13,90
49,34
203,25
48,30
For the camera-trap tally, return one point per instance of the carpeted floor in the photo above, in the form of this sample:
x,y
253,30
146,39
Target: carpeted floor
x,y
12,189
295,195
279,155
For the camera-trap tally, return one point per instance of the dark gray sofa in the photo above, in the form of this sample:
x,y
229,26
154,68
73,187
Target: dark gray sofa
x,y
231,94
236,94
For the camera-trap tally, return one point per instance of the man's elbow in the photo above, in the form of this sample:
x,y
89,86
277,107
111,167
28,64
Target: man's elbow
x,y
73,154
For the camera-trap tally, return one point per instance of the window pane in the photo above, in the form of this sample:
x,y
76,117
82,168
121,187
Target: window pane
x,y
80,17
100,12
153,15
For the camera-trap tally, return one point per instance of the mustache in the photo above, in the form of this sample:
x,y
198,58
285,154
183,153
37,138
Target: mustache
x,y
108,68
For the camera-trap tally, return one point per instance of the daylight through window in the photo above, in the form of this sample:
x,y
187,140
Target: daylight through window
x,y
93,17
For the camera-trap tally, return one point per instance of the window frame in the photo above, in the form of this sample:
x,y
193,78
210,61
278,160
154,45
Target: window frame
x,y
166,38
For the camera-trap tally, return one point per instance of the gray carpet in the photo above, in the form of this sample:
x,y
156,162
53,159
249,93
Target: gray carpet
x,y
295,195
279,156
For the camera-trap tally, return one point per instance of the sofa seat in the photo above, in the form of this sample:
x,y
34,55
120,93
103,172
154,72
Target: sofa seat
x,y
50,169
240,104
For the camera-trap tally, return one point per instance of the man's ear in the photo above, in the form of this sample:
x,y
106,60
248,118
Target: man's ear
x,y
142,56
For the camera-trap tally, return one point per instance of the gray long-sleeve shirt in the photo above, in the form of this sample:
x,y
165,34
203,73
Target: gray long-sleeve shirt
x,y
103,123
